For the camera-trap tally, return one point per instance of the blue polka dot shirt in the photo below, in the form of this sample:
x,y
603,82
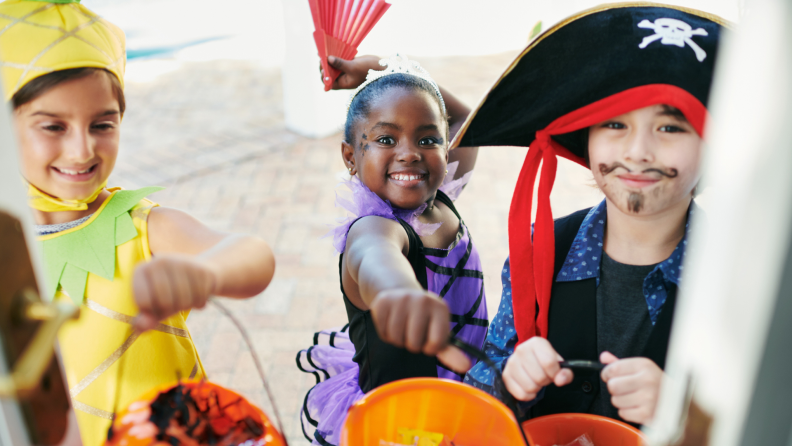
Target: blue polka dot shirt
x,y
582,262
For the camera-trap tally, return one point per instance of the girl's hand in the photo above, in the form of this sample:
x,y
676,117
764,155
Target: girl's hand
x,y
634,385
419,321
353,72
169,284
533,365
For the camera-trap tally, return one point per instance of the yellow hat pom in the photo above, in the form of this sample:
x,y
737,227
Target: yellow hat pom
x,y
39,37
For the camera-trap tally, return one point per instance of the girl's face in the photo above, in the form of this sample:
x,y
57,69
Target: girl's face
x,y
401,149
69,137
647,160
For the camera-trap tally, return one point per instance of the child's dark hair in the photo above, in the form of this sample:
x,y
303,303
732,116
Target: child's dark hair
x,y
361,104
45,83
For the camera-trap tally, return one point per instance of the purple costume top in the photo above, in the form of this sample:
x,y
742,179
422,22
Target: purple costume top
x,y
353,360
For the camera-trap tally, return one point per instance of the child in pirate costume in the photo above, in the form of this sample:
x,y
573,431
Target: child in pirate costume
x,y
621,89
135,269
410,274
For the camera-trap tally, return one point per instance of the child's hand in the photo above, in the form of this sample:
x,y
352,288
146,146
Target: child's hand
x,y
534,364
167,285
634,385
353,72
419,321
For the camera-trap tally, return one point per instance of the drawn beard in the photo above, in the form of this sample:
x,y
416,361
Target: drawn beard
x,y
635,202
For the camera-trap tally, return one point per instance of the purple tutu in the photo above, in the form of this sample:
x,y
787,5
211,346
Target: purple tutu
x,y
326,404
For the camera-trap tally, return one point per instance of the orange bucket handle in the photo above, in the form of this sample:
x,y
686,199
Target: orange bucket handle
x,y
256,361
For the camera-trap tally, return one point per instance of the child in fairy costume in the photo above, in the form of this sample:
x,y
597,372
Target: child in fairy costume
x,y
136,269
410,275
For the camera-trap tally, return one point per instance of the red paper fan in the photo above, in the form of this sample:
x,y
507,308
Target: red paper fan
x,y
340,27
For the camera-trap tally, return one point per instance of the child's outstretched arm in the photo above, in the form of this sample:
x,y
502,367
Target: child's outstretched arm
x,y
404,314
353,73
191,263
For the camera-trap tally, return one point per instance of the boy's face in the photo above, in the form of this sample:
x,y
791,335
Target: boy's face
x,y
647,160
69,137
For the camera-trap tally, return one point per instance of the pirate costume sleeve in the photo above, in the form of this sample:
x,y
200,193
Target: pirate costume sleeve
x,y
90,262
591,67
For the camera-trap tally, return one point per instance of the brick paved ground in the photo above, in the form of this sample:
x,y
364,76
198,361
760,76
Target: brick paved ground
x,y
213,134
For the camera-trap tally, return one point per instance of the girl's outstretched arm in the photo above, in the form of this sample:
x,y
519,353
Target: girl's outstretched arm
x,y
192,262
375,260
353,73
404,314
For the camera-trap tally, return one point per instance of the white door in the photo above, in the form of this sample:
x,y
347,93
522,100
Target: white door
x,y
730,346
40,417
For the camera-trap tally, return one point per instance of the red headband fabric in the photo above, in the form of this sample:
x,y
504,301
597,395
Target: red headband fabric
x,y
532,259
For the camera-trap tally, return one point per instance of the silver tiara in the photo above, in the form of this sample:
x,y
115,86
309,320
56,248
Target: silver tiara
x,y
398,64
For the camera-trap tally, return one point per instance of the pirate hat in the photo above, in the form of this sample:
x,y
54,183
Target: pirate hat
x,y
593,66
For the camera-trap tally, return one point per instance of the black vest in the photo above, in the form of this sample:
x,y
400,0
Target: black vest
x,y
573,329
380,362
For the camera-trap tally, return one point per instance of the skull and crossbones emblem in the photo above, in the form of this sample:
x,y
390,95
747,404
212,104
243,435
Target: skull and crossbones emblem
x,y
673,32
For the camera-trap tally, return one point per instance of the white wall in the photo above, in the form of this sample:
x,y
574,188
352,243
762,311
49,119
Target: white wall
x,y
307,108
470,27
256,29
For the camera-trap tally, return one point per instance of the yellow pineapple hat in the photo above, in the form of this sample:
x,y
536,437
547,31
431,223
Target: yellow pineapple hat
x,y
38,37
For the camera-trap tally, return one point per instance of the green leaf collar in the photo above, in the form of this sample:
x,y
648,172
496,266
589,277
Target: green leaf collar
x,y
69,257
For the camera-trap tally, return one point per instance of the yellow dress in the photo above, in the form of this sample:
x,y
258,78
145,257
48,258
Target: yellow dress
x,y
104,360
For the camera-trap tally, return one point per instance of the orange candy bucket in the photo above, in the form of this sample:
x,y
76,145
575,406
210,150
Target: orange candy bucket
x,y
429,408
562,429
229,416
440,411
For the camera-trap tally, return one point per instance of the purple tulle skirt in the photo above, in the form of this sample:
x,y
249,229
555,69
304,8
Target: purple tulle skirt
x,y
326,404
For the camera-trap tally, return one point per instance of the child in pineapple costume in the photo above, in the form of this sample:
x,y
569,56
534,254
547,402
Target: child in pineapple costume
x,y
135,269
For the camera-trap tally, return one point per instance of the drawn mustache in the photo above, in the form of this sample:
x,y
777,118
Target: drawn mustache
x,y
606,169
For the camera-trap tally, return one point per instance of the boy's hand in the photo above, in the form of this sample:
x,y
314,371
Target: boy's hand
x,y
167,285
419,321
634,385
534,364
353,72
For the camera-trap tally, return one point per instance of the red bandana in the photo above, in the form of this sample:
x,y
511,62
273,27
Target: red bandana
x,y
532,261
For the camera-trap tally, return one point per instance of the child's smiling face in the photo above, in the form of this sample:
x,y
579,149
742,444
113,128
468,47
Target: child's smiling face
x,y
400,150
69,136
647,160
